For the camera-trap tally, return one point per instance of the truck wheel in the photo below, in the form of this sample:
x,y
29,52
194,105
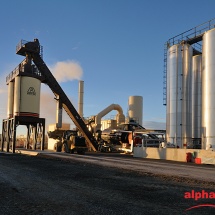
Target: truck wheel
x,y
57,148
65,148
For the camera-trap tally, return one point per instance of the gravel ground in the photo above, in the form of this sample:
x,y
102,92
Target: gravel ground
x,y
42,185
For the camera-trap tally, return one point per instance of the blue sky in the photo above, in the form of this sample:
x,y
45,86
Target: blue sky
x,y
118,46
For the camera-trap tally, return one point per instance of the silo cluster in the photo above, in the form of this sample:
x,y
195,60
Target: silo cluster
x,y
190,96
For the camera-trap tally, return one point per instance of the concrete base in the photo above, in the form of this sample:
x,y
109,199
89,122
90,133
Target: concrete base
x,y
175,154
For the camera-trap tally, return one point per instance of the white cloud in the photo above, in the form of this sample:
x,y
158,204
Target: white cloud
x,y
65,71
154,125
48,107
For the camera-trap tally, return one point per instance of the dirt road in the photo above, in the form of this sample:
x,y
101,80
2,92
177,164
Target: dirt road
x,y
49,185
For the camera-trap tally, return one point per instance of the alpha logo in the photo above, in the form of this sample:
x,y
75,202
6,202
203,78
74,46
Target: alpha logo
x,y
199,196
31,91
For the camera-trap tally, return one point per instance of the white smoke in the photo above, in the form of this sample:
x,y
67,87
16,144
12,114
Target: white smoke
x,y
48,107
65,71
47,104
2,90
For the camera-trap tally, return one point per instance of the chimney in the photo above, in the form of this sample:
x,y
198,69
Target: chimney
x,y
80,98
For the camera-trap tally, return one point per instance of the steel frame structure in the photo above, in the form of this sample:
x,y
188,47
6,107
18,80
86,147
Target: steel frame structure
x,y
35,129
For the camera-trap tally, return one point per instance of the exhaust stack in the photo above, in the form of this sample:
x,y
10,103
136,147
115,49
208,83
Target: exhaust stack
x,y
80,98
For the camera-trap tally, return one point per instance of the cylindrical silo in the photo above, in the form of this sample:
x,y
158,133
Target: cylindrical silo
x,y
208,89
179,64
27,96
135,108
10,99
196,96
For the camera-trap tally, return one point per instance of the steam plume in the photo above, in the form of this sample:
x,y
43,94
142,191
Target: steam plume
x,y
66,71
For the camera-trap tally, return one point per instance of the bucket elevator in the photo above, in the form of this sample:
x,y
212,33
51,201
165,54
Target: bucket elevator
x,y
24,87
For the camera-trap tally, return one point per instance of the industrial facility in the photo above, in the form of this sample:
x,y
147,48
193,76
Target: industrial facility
x,y
188,96
24,84
189,89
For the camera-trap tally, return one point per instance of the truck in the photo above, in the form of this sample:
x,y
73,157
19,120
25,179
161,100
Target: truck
x,y
68,141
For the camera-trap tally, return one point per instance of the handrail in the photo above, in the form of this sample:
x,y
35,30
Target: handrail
x,y
188,35
23,42
191,33
19,69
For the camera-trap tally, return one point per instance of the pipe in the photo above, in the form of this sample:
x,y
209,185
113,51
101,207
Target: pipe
x,y
120,115
59,112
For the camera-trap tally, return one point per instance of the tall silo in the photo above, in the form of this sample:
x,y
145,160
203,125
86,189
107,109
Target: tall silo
x,y
27,96
10,99
208,89
196,98
179,64
135,108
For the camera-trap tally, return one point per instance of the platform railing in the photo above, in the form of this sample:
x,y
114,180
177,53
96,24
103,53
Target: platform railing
x,y
191,33
23,42
188,35
19,69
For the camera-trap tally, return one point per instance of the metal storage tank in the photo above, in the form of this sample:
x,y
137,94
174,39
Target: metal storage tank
x,y
179,64
135,108
208,90
10,99
196,96
27,96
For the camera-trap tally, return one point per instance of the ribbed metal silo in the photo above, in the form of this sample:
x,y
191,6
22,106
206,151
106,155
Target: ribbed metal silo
x,y
208,89
179,64
196,96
